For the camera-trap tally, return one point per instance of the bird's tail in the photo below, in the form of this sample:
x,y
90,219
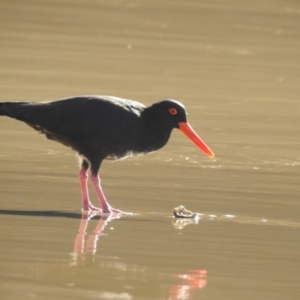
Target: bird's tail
x,y
1,111
11,109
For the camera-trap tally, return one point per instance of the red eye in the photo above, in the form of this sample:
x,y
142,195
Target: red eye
x,y
173,111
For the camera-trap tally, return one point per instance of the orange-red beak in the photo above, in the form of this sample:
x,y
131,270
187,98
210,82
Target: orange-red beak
x,y
192,135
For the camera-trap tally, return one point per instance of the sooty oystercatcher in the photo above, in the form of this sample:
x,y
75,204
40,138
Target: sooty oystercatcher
x,y
104,127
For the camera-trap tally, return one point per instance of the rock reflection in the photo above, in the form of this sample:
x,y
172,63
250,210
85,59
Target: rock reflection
x,y
181,223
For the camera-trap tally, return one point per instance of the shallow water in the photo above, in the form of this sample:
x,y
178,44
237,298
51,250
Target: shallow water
x,y
236,67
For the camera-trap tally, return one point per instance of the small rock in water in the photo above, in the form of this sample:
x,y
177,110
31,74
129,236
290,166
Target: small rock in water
x,y
181,212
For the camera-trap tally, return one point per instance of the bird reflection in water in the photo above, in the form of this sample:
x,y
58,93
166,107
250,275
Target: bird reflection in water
x,y
85,248
189,282
87,245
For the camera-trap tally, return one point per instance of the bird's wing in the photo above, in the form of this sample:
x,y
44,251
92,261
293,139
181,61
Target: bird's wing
x,y
86,120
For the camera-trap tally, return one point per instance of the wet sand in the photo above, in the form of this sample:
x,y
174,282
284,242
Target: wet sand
x,y
236,67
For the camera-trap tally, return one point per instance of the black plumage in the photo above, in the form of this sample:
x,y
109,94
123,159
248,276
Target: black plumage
x,y
102,127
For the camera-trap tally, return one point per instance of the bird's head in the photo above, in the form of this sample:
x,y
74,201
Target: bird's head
x,y
173,115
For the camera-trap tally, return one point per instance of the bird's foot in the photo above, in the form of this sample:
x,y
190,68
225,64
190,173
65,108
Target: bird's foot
x,y
106,210
110,210
91,208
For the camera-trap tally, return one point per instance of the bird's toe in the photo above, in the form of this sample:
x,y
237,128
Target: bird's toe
x,y
91,208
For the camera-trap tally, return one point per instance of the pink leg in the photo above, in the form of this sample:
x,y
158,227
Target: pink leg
x,y
106,208
86,204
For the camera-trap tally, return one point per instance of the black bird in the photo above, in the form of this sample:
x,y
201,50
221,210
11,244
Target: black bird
x,y
104,127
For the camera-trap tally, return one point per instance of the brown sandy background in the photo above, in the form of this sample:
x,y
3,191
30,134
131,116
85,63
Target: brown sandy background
x,y
236,67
